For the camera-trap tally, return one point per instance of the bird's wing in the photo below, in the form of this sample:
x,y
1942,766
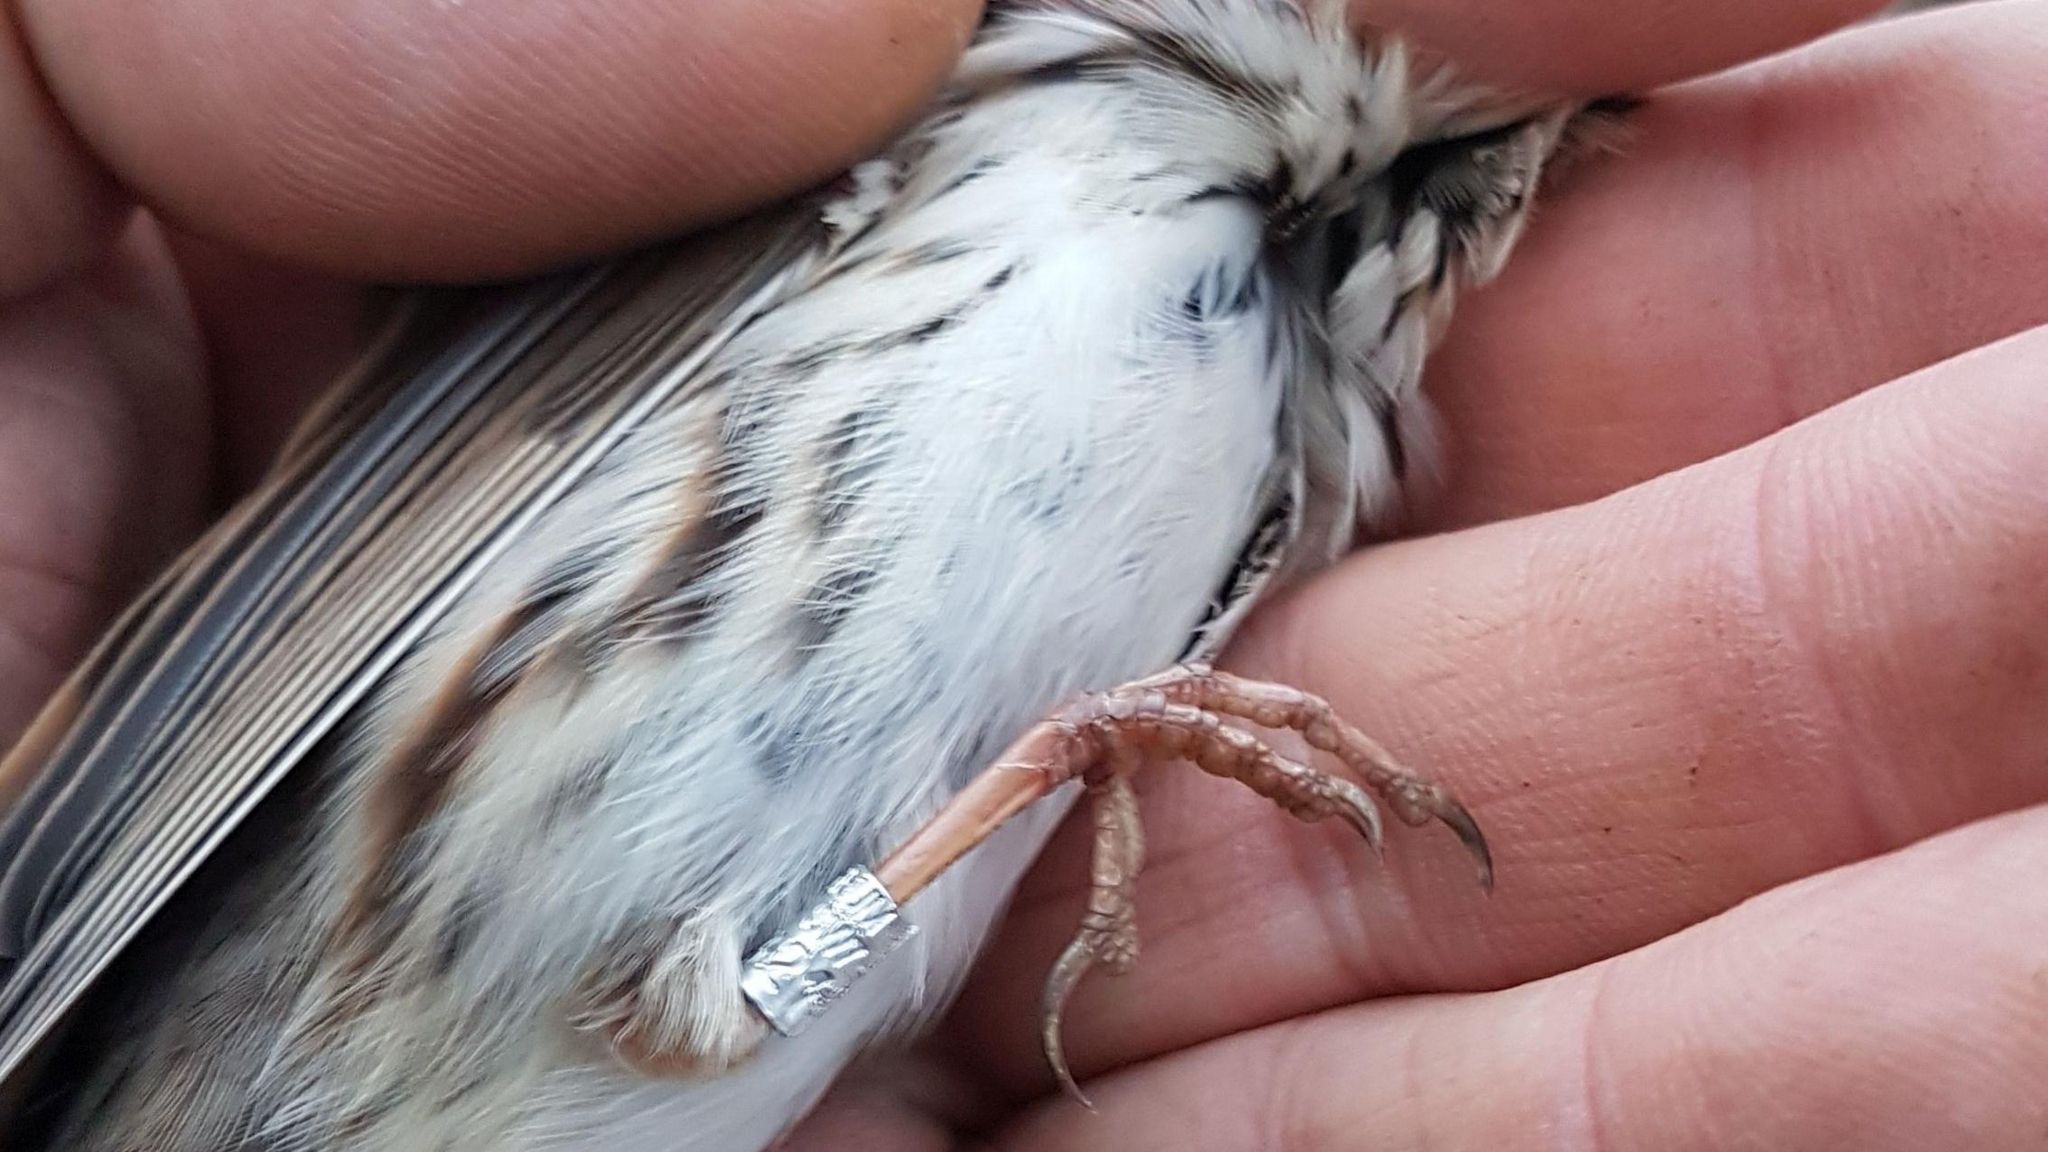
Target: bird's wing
x,y
453,434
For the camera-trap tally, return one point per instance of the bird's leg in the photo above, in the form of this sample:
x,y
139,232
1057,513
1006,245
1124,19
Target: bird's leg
x,y
1179,714
1109,929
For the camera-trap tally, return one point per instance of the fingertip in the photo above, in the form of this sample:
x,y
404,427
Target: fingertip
x,y
430,139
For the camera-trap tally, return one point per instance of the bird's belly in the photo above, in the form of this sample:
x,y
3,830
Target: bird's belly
x,y
804,765
850,689
766,654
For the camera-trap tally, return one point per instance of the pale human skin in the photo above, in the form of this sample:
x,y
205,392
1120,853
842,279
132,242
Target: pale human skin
x,y
1808,670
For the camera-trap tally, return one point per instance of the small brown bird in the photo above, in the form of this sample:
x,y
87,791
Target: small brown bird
x,y
591,627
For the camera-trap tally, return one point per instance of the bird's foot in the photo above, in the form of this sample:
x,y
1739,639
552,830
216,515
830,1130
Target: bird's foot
x,y
1179,714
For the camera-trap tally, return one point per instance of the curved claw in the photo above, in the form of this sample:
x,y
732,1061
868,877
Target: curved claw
x,y
1067,972
1361,812
1460,821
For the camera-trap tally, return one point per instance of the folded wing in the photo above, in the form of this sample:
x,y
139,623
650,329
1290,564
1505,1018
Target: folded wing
x,y
475,412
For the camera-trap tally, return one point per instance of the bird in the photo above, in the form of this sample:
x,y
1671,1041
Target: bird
x,y
592,625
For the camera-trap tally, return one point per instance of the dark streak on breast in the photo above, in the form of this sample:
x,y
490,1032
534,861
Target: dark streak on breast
x,y
1262,553
1222,292
981,167
1218,192
848,457
1100,64
828,604
676,598
928,329
576,792
721,505
780,755
815,357
413,784
458,930
929,254
820,355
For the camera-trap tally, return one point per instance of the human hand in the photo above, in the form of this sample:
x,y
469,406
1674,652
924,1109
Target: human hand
x,y
1807,674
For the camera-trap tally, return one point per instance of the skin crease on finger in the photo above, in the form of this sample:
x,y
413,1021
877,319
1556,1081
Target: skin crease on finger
x,y
1660,704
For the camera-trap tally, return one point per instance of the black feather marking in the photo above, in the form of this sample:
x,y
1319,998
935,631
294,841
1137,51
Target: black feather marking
x,y
930,328
981,167
577,792
848,457
682,595
1261,555
824,353
783,748
830,603
815,357
459,929
1247,291
1232,191
1156,48
677,596
1168,50
1222,291
929,254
